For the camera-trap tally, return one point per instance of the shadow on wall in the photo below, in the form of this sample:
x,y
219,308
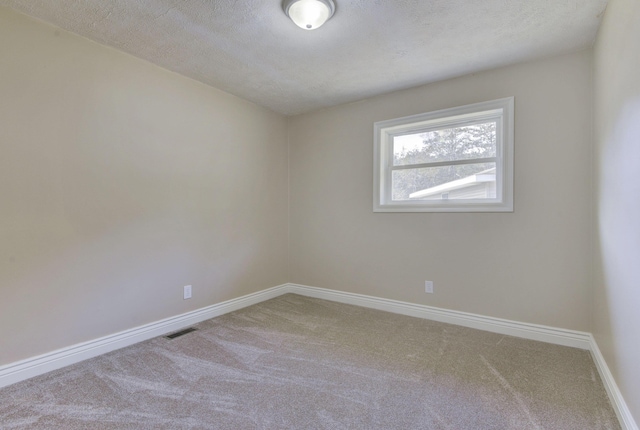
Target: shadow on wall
x,y
619,231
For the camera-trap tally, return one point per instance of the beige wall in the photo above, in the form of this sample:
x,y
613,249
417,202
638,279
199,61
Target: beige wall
x,y
617,196
532,265
121,182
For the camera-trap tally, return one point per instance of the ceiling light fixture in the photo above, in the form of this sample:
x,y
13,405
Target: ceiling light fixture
x,y
309,14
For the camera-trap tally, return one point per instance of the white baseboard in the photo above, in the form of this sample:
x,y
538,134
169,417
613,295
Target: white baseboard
x,y
615,396
558,336
25,369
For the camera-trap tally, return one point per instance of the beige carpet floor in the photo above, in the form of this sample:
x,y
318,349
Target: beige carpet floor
x,y
300,363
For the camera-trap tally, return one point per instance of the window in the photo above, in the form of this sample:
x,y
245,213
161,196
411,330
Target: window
x,y
453,160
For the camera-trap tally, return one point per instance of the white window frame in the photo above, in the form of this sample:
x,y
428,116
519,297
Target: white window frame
x,y
500,110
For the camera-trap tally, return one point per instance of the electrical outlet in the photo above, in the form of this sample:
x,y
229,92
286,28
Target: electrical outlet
x,y
186,291
428,287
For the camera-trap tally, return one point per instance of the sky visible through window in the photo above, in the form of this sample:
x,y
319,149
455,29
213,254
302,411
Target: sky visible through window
x,y
407,143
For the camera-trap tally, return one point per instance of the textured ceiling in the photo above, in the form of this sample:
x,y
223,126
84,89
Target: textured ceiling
x,y
251,49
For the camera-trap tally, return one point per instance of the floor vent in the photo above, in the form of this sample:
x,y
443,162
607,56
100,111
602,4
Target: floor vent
x,y
180,333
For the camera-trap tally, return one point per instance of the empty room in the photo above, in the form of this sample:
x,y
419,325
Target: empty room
x,y
319,214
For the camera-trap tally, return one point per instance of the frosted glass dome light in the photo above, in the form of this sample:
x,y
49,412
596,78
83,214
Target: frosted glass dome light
x,y
309,14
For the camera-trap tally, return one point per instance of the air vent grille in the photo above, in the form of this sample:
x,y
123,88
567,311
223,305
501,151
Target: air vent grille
x,y
180,333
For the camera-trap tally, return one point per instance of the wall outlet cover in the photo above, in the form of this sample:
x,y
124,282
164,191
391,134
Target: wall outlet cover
x,y
428,287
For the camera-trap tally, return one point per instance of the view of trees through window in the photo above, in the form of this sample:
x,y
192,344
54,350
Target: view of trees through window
x,y
471,147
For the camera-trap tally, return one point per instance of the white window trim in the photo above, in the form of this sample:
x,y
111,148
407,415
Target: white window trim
x,y
501,109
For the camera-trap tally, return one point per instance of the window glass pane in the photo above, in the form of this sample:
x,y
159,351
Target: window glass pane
x,y
457,143
466,181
